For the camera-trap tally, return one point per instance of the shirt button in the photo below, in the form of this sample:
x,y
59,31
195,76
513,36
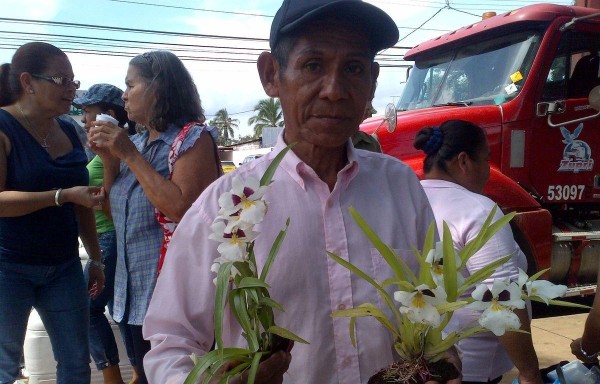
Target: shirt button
x,y
341,307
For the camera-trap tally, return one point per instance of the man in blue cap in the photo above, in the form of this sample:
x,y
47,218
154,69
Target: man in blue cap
x,y
321,66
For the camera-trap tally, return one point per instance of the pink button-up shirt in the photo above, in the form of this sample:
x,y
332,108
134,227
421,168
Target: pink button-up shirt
x,y
308,283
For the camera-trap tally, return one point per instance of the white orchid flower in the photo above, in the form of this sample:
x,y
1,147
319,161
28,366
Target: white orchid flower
x,y
243,206
234,243
543,289
497,305
435,258
419,305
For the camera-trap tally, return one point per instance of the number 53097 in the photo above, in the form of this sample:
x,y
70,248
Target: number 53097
x,y
565,192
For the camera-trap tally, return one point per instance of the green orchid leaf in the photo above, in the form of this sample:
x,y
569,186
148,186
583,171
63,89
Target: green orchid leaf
x,y
252,282
226,377
238,303
398,266
274,250
449,267
387,282
220,300
366,310
389,301
254,367
244,270
286,334
538,274
482,274
268,175
560,303
451,307
429,239
487,232
405,286
206,361
267,301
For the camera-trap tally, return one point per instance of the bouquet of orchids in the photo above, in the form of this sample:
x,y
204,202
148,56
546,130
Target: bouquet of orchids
x,y
240,284
428,299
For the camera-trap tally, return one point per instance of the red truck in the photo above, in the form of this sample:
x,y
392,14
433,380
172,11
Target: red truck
x,y
525,77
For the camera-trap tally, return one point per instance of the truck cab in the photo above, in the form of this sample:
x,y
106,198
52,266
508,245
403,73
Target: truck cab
x,y
525,77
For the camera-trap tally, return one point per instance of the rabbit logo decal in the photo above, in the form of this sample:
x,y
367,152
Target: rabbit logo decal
x,y
577,155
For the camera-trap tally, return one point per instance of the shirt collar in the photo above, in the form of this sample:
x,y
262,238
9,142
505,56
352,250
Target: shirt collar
x,y
299,170
167,136
438,183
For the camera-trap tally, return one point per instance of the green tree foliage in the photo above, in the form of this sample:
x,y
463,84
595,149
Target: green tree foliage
x,y
225,124
268,114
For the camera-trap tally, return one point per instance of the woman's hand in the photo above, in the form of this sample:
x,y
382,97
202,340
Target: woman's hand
x,y
576,349
96,283
108,139
85,196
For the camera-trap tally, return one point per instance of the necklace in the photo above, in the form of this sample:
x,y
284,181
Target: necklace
x,y
44,140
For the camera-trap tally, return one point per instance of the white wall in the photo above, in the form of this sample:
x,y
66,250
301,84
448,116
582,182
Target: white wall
x,y
239,155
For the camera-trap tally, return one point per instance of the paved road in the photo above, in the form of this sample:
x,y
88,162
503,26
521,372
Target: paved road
x,y
551,338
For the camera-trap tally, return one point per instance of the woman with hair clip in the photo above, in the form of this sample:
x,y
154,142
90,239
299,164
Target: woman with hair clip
x,y
456,169
45,204
152,179
105,99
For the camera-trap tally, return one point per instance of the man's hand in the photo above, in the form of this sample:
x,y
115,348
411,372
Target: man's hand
x,y
452,357
270,371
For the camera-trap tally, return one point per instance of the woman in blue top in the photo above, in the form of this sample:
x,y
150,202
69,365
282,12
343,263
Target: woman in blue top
x,y
161,96
45,203
104,99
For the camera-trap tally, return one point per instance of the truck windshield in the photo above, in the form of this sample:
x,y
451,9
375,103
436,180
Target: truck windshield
x,y
484,73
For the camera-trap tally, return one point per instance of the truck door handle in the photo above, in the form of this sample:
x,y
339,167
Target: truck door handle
x,y
551,108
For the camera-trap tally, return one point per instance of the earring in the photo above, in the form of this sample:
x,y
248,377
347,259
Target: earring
x,y
31,90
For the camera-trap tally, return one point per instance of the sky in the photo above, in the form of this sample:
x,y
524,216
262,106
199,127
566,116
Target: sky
x,y
218,40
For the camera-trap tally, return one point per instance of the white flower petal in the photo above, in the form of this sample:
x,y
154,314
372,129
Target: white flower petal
x,y
545,290
498,319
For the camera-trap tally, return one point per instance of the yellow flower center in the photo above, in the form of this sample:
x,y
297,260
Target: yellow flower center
x,y
234,240
247,203
496,306
418,301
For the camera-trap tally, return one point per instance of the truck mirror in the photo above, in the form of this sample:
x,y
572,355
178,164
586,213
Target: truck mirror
x,y
391,117
594,98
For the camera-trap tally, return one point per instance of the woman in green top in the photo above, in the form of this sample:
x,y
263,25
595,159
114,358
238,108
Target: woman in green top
x,y
104,99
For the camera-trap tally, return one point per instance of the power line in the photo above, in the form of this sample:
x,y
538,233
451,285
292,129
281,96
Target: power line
x,y
192,8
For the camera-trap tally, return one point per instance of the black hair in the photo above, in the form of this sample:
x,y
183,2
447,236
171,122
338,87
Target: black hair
x,y
287,41
120,112
176,99
441,144
32,57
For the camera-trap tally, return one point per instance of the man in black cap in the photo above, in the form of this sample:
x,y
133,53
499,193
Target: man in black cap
x,y
321,66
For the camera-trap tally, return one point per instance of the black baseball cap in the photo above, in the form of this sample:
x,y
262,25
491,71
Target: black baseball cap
x,y
381,29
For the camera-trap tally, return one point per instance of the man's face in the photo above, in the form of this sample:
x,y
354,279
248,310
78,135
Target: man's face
x,y
326,84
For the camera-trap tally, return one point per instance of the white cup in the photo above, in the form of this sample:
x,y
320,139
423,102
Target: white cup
x,y
105,117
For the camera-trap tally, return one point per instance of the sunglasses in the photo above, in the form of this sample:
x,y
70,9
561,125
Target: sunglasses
x,y
58,80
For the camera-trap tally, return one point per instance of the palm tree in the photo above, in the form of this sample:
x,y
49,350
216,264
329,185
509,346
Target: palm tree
x,y
225,125
269,115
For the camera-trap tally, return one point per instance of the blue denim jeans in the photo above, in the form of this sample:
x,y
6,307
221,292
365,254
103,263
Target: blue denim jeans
x,y
103,346
59,294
